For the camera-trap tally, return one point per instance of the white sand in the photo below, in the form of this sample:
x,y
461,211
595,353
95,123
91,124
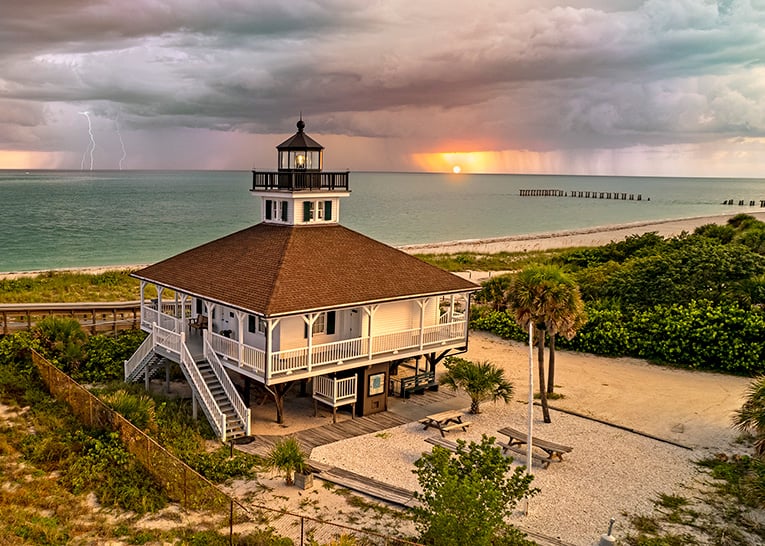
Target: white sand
x,y
609,472
595,236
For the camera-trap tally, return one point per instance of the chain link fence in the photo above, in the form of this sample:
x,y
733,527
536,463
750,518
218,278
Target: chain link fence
x,y
186,486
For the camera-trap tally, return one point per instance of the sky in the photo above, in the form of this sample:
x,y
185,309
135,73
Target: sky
x,y
590,87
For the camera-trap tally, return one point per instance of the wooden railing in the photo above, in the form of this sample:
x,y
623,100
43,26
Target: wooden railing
x,y
97,316
335,392
296,181
304,359
137,357
242,411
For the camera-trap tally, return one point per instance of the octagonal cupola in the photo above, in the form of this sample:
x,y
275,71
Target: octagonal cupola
x,y
300,192
300,152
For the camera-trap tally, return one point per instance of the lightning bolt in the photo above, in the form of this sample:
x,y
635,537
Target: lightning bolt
x,y
91,146
122,142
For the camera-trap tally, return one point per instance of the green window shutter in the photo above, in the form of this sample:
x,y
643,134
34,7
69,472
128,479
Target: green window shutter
x,y
330,323
284,211
328,210
251,326
307,212
268,209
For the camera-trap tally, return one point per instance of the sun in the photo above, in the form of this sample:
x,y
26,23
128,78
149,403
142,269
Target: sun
x,y
456,169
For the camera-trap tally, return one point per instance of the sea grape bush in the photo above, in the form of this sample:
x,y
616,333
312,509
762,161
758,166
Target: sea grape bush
x,y
696,300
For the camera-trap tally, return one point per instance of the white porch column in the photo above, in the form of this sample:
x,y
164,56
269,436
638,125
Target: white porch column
x,y
240,318
422,304
143,287
210,312
184,298
369,311
270,327
310,320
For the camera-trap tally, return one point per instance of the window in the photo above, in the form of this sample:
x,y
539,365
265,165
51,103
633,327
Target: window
x,y
199,307
283,208
324,324
319,210
256,324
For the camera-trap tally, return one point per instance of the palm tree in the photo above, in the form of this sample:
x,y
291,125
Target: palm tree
x,y
481,381
565,315
751,416
544,296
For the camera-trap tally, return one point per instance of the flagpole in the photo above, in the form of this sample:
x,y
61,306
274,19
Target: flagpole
x,y
531,405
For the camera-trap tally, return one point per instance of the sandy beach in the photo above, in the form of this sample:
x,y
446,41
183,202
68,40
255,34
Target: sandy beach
x,y
659,419
595,236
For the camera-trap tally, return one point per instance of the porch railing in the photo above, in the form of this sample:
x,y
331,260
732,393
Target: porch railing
x,y
292,360
139,355
242,411
335,391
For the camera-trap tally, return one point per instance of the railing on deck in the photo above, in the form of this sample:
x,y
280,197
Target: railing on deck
x,y
242,411
295,181
138,356
335,392
299,359
217,417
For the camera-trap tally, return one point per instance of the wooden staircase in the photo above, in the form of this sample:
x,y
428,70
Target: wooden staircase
x,y
234,426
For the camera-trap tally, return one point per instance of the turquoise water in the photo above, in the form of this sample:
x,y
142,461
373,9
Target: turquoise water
x,y
54,219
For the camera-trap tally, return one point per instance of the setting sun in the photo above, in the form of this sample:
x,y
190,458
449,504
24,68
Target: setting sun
x,y
456,169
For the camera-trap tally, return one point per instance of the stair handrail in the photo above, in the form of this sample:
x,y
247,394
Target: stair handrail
x,y
242,411
132,363
217,417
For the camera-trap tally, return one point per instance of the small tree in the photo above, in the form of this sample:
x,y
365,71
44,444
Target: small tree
x,y
466,498
287,457
751,416
482,381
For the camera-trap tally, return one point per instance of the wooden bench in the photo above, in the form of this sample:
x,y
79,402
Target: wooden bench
x,y
451,445
445,421
443,442
416,383
199,323
541,459
519,438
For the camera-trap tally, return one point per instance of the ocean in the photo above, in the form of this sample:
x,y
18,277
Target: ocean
x,y
68,219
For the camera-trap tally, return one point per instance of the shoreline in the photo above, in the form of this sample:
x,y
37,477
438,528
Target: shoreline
x,y
592,236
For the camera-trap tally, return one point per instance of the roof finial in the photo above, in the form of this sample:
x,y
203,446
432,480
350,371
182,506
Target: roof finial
x,y
301,123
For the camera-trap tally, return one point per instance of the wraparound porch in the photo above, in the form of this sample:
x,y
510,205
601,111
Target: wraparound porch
x,y
319,359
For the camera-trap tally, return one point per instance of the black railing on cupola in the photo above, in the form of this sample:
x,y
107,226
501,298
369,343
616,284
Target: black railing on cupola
x,y
298,181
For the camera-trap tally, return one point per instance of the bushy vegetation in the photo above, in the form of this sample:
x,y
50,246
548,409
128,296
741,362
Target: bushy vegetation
x,y
468,497
68,286
696,300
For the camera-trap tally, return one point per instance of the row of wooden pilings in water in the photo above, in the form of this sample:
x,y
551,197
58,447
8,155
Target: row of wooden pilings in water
x,y
742,202
583,194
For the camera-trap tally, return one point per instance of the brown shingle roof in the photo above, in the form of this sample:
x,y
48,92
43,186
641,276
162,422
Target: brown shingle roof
x,y
273,270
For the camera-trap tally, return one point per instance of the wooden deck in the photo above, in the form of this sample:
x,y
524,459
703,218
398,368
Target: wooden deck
x,y
327,434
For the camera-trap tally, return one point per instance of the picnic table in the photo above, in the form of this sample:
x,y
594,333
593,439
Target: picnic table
x,y
519,438
445,421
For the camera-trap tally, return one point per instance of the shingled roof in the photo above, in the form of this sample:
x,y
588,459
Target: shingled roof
x,y
282,269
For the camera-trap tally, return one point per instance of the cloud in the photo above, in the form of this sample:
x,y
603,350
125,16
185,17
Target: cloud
x,y
526,75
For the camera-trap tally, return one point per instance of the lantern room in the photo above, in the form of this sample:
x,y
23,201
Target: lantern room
x,y
300,152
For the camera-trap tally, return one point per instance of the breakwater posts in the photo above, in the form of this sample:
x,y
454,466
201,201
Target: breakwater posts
x,y
742,202
621,196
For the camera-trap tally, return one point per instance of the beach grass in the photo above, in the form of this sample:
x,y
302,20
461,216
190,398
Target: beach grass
x,y
500,261
72,287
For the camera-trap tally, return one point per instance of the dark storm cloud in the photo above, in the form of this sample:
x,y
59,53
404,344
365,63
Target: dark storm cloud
x,y
539,75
